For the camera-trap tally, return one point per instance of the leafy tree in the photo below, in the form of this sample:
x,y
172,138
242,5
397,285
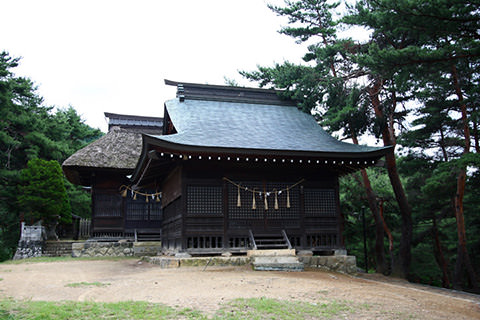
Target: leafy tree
x,y
329,88
421,60
42,194
429,41
30,130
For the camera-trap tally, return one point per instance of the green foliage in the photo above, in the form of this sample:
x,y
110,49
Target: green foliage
x,y
30,130
80,200
352,199
415,52
42,193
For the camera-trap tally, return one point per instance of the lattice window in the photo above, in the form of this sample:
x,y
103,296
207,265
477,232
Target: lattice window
x,y
204,200
205,242
108,205
239,243
245,211
141,210
156,212
320,202
137,210
328,240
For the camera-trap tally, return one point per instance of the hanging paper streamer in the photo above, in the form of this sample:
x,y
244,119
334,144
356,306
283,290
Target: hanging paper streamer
x,y
239,201
276,200
124,190
265,194
288,198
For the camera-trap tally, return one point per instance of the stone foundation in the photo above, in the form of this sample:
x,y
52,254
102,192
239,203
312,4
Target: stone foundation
x,y
172,262
340,263
102,249
343,264
62,248
115,249
28,249
31,243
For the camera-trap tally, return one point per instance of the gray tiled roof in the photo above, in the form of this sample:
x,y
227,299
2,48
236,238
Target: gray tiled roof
x,y
254,127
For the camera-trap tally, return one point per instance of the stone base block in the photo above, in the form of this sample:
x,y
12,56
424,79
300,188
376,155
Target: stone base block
x,y
271,253
171,262
147,248
344,264
277,263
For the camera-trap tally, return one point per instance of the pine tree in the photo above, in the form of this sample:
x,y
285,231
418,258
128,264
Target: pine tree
x,y
42,195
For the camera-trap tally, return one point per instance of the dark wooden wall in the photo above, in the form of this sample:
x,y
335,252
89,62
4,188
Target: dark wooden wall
x,y
206,218
113,215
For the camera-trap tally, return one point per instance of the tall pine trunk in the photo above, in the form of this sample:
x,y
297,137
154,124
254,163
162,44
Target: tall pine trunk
x,y
402,263
379,230
439,257
463,259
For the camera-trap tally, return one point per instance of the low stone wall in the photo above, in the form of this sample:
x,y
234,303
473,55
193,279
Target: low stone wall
x,y
62,248
147,248
115,249
28,249
172,262
31,243
341,263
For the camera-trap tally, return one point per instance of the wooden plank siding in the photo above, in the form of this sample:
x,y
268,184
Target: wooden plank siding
x,y
206,219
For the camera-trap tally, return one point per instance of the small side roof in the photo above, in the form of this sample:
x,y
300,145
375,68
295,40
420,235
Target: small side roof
x,y
119,149
151,125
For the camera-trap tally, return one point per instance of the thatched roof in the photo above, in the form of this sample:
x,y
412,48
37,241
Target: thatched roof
x,y
118,149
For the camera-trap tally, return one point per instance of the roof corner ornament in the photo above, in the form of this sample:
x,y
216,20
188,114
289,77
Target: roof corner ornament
x,y
180,92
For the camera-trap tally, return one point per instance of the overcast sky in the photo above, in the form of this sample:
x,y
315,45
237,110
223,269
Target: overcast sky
x,y
113,56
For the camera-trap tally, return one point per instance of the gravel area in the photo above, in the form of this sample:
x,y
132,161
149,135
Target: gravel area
x,y
375,296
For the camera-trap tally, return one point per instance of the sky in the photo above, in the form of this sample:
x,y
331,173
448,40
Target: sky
x,y
113,56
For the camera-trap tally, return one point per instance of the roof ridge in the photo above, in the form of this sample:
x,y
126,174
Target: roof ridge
x,y
208,92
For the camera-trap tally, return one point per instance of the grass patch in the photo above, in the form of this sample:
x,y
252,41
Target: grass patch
x,y
59,259
256,308
11,309
264,308
86,284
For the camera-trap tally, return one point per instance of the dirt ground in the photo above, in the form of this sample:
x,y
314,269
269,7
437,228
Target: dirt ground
x,y
377,297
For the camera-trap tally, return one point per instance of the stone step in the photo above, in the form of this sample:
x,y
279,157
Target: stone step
x,y
277,263
57,249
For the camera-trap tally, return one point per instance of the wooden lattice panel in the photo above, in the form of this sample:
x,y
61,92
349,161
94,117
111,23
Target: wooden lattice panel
x,y
245,211
320,202
204,200
141,210
108,205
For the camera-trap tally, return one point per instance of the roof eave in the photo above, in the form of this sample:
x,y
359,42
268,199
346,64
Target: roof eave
x,y
206,150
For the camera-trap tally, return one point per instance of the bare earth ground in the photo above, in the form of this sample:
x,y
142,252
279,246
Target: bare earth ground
x,y
375,296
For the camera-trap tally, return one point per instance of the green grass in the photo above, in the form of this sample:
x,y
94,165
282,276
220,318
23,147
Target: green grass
x,y
87,284
33,310
264,308
255,308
